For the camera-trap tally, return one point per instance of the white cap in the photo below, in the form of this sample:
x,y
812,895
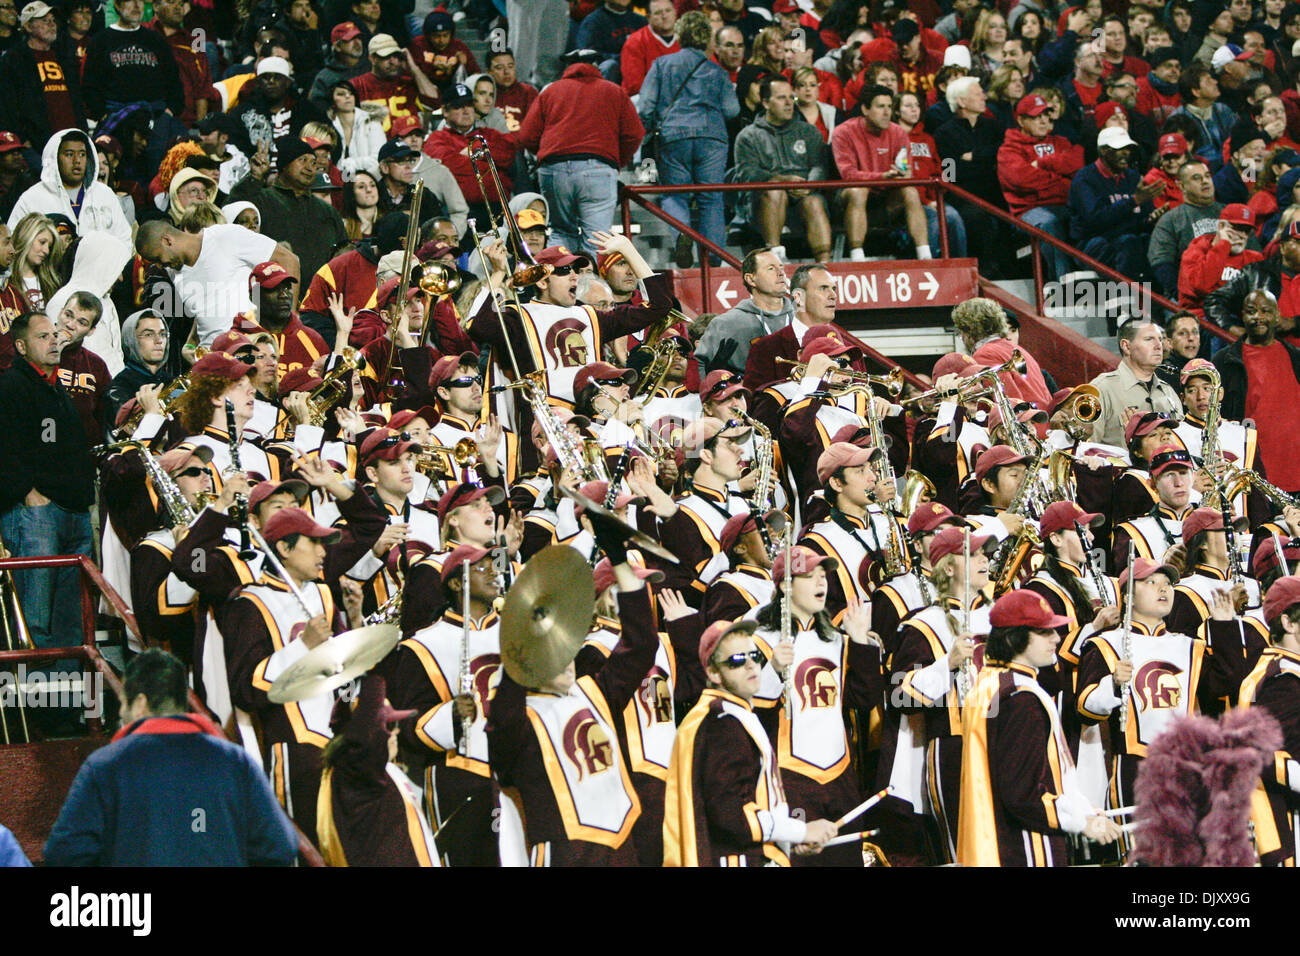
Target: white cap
x,y
1116,137
1225,55
957,55
34,11
274,64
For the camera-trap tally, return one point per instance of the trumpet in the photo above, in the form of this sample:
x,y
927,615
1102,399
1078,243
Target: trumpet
x,y
1083,408
966,392
175,388
892,383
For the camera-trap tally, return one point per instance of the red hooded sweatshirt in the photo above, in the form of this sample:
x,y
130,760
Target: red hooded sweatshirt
x,y
582,116
1026,186
1208,263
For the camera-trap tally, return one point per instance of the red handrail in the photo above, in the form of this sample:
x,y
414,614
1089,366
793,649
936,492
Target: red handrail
x,y
1036,235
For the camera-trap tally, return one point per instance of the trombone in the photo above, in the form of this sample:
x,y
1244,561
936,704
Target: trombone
x,y
396,378
528,271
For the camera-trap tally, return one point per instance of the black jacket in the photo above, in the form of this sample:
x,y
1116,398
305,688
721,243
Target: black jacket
x,y
22,107
45,445
1223,305
1232,372
126,383
979,174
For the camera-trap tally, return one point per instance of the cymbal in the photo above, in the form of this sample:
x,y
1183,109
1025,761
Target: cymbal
x,y
638,539
329,666
546,614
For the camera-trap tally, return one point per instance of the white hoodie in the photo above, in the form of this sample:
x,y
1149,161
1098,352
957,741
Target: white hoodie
x,y
100,259
100,209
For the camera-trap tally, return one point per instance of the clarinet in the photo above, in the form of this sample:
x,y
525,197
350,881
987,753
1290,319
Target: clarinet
x,y
466,674
611,496
240,516
787,625
1098,580
1128,640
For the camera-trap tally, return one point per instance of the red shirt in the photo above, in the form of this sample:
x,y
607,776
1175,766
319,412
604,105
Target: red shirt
x,y
514,103
1088,95
54,85
1272,396
440,67
399,95
196,74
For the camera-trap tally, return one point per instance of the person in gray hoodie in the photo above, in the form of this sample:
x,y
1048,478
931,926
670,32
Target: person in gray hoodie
x,y
725,343
781,146
145,356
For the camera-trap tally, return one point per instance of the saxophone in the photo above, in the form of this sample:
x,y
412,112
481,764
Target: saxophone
x,y
895,559
1013,550
179,511
763,457
571,454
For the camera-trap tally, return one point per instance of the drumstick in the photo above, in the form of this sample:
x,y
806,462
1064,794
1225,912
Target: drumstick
x,y
1119,812
861,808
849,838
1128,828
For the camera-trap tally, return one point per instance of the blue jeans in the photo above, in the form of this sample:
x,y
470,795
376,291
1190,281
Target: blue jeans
x,y
51,598
956,231
582,194
695,160
1055,221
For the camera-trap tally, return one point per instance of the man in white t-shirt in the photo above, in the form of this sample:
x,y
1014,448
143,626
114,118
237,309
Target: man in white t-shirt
x,y
210,269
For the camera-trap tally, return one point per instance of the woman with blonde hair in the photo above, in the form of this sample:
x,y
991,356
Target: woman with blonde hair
x,y
37,272
768,58
1006,89
986,43
821,115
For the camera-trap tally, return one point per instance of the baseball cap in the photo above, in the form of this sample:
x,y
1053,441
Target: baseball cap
x,y
1105,111
715,633
858,435
597,492
300,380
957,55
399,420
700,431
603,575
269,275
1197,366
1032,105
1202,519
996,457
929,516
1114,137
395,149
438,20
1169,456
1062,515
458,95
1173,144
1265,558
347,30
385,444
34,11
527,219
1238,214
177,458
452,564
1022,608
10,141
1226,54
289,521
720,384
949,541
904,31
444,370
558,256
1143,568
382,44
274,64
1283,595
405,126
464,493
600,371
265,489
736,526
230,342
322,183
825,342
802,561
785,6
565,417
1025,413
1141,424
219,363
840,455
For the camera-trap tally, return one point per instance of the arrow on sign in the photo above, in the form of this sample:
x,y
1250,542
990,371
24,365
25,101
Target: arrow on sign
x,y
930,286
724,294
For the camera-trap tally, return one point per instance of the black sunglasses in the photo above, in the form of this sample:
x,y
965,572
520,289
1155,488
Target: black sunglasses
x,y
195,472
247,356
737,661
611,382
719,386
392,440
562,271
465,382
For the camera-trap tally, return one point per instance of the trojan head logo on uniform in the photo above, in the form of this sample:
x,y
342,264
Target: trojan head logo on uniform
x,y
654,698
1157,685
565,344
483,667
587,745
814,680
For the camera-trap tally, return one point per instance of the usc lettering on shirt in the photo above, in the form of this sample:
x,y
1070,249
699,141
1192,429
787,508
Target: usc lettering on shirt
x,y
73,381
1229,273
51,75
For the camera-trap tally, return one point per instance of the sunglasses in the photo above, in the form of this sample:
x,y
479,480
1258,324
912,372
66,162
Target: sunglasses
x,y
737,661
195,472
562,271
611,382
247,356
465,382
720,386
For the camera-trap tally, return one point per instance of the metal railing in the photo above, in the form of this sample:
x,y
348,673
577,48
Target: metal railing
x,y
1036,236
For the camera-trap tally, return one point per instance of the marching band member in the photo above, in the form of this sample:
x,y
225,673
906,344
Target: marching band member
x,y
748,584
418,422
426,677
820,676
999,473
1145,435
1272,684
458,387
900,595
946,443
725,805
1164,675
266,631
1202,393
940,650
397,365
578,809
1160,529
368,810
1020,793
